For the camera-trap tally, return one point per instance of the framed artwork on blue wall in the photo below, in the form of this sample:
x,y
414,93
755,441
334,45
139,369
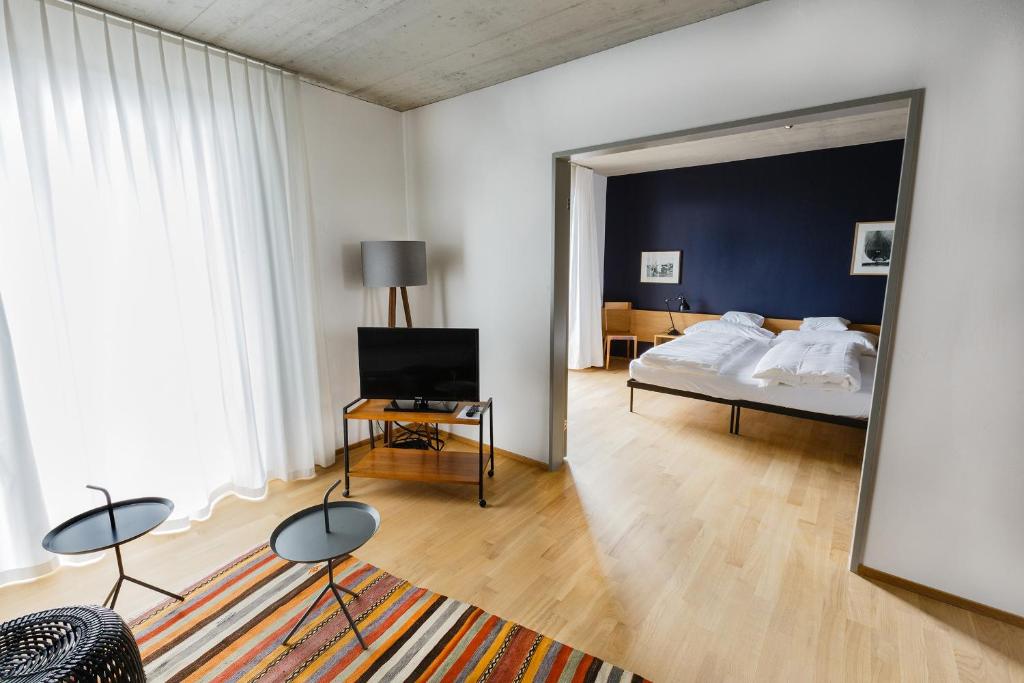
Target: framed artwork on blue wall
x,y
660,267
872,248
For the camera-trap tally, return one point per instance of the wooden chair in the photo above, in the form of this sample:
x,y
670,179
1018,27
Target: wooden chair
x,y
617,323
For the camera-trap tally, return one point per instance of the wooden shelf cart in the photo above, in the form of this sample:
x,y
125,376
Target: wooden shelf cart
x,y
448,465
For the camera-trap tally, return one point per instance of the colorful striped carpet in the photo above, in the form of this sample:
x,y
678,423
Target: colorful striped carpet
x,y
231,625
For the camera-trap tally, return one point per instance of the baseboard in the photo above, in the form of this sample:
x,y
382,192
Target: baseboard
x,y
465,441
353,446
941,596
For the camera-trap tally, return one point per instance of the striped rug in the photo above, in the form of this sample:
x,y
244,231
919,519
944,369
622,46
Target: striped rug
x,y
231,625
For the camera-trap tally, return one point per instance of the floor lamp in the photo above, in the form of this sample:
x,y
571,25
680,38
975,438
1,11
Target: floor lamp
x,y
395,264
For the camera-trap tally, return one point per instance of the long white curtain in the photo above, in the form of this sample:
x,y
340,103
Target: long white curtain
x,y
22,556
586,267
156,266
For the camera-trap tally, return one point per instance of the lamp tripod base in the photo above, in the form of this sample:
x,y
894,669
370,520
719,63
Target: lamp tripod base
x,y
392,322
393,306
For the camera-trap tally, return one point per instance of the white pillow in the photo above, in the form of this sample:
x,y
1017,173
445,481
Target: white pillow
x,y
865,342
833,323
752,319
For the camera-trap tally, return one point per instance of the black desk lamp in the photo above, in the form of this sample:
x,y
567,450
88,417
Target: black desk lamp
x,y
684,305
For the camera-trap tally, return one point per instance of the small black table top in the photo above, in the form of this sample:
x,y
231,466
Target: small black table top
x,y
304,538
92,531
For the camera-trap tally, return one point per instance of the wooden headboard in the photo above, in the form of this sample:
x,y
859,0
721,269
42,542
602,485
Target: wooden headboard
x,y
645,324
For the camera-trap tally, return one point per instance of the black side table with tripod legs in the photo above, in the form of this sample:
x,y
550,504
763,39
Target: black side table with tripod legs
x,y
325,533
111,526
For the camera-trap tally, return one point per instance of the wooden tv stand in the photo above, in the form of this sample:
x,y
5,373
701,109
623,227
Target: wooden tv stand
x,y
448,465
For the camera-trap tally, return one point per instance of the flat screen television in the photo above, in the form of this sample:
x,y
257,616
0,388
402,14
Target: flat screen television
x,y
419,368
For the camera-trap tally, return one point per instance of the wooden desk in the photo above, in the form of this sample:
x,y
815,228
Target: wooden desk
x,y
662,338
419,464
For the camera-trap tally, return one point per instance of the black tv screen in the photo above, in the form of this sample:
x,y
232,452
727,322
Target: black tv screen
x,y
432,364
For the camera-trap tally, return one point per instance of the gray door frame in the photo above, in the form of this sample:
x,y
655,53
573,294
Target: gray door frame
x,y
561,181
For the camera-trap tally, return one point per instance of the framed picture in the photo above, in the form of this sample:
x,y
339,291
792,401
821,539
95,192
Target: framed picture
x,y
660,267
872,248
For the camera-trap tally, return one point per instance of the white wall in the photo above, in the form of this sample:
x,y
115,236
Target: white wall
x,y
948,507
357,180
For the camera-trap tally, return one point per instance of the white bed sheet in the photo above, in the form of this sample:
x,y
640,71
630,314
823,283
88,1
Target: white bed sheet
x,y
735,381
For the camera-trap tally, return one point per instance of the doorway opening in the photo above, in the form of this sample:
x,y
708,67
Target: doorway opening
x,y
799,215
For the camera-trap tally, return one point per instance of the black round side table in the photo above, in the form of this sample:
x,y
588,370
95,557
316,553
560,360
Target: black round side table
x,y
69,644
110,526
324,533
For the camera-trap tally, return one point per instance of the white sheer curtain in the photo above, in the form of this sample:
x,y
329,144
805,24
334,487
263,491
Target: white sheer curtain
x,y
156,266
22,556
586,267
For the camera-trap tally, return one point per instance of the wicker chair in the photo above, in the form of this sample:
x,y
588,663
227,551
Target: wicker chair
x,y
69,644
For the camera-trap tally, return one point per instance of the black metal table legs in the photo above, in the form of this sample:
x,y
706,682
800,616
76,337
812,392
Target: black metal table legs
x,y
122,577
334,588
480,452
734,419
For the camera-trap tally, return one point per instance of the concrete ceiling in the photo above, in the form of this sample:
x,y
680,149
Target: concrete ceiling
x,y
407,53
875,123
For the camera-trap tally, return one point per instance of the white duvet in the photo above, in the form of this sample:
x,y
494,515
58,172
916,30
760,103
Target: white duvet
x,y
706,346
826,365
867,341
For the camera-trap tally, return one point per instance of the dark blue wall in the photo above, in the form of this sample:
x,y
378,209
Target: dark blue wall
x,y
773,236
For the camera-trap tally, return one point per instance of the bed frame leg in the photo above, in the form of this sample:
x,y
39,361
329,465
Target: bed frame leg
x,y
736,430
732,418
631,399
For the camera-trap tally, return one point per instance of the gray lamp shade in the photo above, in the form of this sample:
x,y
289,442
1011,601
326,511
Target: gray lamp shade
x,y
395,263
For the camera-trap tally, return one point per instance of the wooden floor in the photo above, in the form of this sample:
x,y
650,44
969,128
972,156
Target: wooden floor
x,y
666,546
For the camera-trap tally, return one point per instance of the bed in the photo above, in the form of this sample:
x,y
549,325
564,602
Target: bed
x,y
733,384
